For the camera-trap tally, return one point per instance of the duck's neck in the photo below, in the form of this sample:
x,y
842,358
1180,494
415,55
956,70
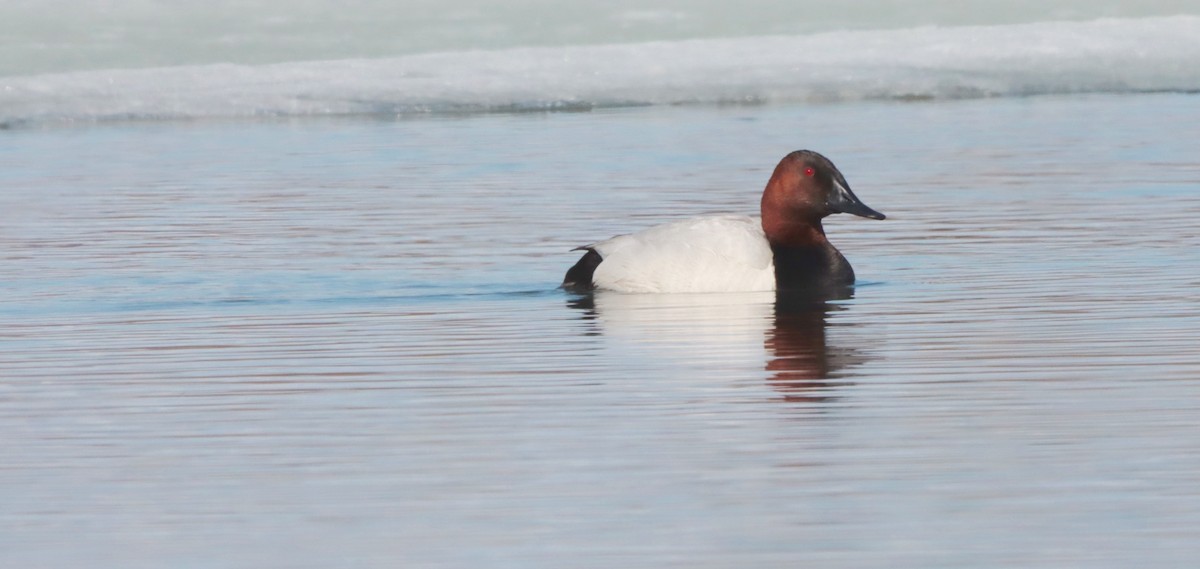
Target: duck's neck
x,y
804,258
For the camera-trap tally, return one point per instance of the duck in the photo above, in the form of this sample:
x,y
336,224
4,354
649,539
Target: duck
x,y
783,249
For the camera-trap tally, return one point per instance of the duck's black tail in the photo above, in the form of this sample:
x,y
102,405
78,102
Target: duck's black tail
x,y
579,277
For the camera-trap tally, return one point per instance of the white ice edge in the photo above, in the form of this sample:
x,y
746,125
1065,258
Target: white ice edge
x,y
1109,55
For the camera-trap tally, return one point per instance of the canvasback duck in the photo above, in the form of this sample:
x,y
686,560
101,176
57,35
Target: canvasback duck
x,y
783,250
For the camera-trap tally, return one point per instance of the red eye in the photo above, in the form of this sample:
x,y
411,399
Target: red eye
x,y
809,172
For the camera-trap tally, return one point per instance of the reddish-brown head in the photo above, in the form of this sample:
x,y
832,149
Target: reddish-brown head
x,y
805,188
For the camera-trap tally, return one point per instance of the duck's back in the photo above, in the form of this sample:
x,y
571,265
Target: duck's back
x,y
704,254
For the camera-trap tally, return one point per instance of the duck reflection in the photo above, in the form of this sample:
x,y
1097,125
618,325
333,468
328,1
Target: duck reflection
x,y
793,329
800,359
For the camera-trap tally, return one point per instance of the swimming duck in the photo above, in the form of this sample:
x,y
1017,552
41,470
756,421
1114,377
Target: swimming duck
x,y
783,250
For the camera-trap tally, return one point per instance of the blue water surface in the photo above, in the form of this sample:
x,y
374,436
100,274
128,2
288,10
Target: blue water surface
x,y
340,342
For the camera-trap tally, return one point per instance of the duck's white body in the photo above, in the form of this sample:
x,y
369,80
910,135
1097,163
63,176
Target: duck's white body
x,y
724,253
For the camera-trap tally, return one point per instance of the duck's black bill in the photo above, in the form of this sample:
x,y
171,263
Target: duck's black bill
x,y
844,201
860,209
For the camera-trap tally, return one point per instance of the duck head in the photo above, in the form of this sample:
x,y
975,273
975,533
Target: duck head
x,y
805,188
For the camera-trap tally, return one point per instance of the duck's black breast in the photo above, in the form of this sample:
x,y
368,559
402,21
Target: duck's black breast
x,y
799,268
579,276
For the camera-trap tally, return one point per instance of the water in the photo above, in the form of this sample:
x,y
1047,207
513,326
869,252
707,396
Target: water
x,y
338,342
280,286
